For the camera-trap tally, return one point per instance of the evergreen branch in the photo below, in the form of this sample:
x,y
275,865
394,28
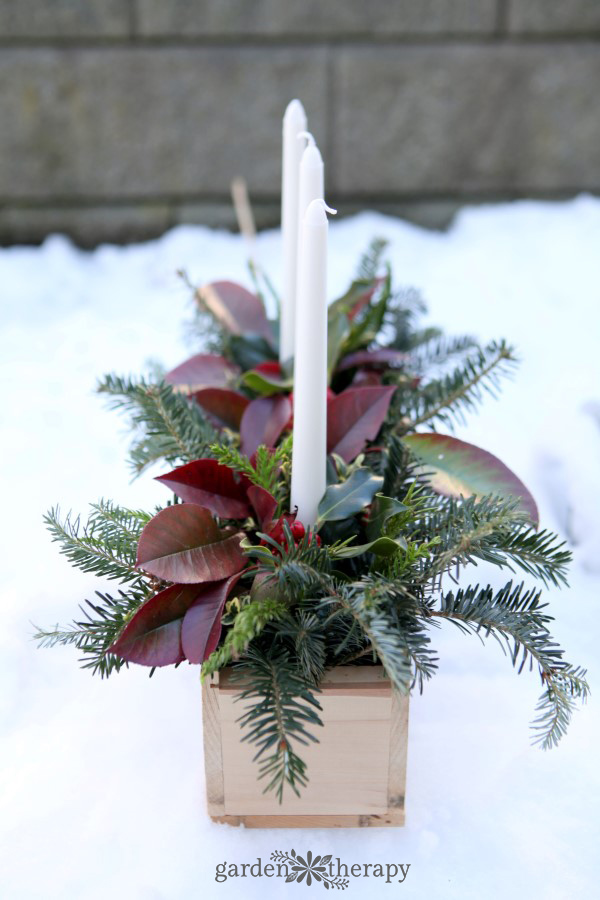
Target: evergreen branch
x,y
370,262
248,624
495,530
168,424
106,545
516,619
283,709
95,633
447,399
271,469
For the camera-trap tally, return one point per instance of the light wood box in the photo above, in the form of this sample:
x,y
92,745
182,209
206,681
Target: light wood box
x,y
357,771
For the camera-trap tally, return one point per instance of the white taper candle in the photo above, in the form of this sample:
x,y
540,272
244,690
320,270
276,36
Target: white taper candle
x,y
294,122
309,455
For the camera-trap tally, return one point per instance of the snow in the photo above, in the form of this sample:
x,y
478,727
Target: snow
x,y
101,784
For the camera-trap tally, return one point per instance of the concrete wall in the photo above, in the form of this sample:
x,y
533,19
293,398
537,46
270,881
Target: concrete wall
x,y
119,118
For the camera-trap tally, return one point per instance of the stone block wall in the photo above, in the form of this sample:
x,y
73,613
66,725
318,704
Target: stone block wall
x,y
119,118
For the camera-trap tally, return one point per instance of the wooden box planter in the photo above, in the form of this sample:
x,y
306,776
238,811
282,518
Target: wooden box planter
x,y
357,771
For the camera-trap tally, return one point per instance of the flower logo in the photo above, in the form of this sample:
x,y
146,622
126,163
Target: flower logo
x,y
310,869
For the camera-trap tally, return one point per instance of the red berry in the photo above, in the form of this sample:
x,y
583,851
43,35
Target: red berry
x,y
298,530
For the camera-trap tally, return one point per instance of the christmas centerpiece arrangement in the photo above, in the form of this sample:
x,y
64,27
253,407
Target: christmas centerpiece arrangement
x,y
315,521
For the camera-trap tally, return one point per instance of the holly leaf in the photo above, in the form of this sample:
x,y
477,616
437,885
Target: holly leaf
x,y
381,546
355,417
382,509
263,421
211,485
266,385
455,468
235,309
201,627
224,407
203,370
340,501
184,544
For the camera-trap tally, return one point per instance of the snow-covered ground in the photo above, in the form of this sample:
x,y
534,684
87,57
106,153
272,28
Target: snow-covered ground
x,y
101,783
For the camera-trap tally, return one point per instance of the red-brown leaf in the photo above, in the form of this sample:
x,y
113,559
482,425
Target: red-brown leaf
x,y
235,308
224,408
355,417
263,421
209,484
203,370
381,358
184,544
153,636
201,627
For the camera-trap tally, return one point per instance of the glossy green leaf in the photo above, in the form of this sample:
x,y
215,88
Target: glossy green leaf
x,y
343,500
383,508
455,468
381,546
266,385
338,329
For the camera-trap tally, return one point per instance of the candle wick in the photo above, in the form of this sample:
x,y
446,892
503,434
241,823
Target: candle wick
x,y
328,209
308,136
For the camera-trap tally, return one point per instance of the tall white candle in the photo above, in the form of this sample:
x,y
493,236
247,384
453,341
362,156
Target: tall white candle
x,y
309,453
311,184
294,122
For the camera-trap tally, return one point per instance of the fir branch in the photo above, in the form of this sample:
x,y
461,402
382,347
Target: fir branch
x,y
448,399
307,635
282,710
168,424
495,530
370,262
248,624
106,545
515,618
271,469
101,624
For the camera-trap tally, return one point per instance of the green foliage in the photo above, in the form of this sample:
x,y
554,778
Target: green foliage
x,y
282,711
248,624
446,400
102,622
106,544
272,468
167,425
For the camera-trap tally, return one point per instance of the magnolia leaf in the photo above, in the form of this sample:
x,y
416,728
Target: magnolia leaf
x,y
184,544
355,417
263,421
211,485
152,637
202,370
201,628
381,546
263,503
455,468
340,501
224,407
266,385
382,509
383,357
235,308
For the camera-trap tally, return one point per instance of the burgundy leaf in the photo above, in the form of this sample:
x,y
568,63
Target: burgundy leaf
x,y
366,378
209,484
264,505
203,370
269,368
380,358
365,298
153,636
224,407
184,544
263,421
355,417
235,308
201,628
